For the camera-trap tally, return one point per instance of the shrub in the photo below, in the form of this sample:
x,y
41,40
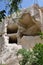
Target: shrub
x,y
34,57
3,64
28,57
38,51
41,35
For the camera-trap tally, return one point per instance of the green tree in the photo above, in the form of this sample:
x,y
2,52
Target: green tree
x,y
14,5
2,15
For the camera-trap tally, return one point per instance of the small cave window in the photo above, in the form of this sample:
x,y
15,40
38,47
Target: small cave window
x,y
12,39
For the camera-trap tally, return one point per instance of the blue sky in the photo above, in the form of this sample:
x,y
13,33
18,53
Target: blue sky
x,y
24,4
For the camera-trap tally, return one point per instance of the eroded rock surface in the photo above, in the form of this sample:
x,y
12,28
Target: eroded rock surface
x,y
8,55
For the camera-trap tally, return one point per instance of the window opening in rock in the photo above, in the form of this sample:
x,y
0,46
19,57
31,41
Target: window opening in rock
x,y
13,39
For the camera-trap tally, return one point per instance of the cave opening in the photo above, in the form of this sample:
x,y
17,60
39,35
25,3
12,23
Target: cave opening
x,y
12,39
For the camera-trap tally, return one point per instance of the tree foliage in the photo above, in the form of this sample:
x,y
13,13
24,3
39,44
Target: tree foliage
x,y
14,5
2,15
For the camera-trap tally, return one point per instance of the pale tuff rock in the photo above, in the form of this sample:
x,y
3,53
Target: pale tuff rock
x,y
9,53
27,26
14,61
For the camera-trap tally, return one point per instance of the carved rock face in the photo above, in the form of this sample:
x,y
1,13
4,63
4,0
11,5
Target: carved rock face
x,y
28,25
33,31
12,28
26,20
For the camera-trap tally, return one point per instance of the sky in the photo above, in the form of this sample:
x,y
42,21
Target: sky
x,y
24,4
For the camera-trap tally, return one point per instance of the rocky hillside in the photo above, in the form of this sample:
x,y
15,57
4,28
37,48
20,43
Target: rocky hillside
x,y
20,30
29,22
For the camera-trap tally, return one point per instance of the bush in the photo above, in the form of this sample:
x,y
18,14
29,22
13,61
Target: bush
x,y
38,51
28,57
3,64
41,35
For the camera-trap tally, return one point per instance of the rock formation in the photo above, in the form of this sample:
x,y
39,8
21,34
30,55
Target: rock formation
x,y
12,28
28,25
24,25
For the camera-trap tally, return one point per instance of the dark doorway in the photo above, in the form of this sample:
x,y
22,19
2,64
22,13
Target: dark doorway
x,y
12,39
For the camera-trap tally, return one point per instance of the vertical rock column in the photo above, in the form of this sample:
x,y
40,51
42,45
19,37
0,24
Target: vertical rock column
x,y
41,19
5,32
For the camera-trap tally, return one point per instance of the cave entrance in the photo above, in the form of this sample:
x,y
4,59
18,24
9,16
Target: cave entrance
x,y
12,39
